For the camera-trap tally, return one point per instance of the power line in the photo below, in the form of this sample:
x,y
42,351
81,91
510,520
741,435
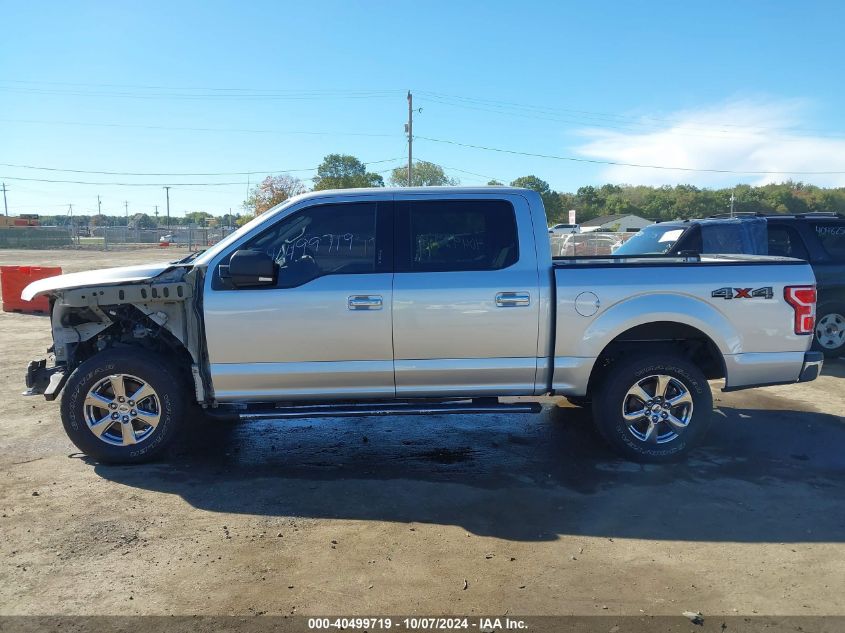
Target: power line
x,y
126,184
136,173
197,129
504,107
621,164
463,171
194,94
639,127
621,118
331,91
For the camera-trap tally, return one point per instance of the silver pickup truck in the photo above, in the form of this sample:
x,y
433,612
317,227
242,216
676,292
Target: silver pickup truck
x,y
416,301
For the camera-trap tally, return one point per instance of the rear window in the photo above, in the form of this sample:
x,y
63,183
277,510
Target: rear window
x,y
832,237
452,235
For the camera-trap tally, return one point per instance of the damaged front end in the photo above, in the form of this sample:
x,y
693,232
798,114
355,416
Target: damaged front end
x,y
44,380
157,312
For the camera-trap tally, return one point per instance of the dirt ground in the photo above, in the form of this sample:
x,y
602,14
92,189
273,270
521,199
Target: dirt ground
x,y
524,515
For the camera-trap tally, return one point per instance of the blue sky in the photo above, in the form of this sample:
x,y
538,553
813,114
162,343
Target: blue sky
x,y
218,87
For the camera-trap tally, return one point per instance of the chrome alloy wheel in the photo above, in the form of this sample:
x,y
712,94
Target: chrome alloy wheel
x,y
657,408
122,409
830,331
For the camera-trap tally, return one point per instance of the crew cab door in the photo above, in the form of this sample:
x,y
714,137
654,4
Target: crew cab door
x,y
465,296
323,331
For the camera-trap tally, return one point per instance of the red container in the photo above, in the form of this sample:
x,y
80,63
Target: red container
x,y
13,279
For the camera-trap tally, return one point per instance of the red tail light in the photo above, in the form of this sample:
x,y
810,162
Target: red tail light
x,y
803,302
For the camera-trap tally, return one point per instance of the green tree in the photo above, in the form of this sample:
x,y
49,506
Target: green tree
x,y
200,218
423,174
551,199
342,171
271,191
141,221
101,220
230,219
495,183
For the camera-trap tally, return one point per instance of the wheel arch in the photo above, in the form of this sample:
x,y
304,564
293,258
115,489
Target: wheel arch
x,y
669,337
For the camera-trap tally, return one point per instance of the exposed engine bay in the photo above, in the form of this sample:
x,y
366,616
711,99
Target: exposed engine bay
x,y
160,314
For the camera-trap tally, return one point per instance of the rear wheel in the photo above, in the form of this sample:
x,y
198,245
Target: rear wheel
x,y
653,409
122,406
830,330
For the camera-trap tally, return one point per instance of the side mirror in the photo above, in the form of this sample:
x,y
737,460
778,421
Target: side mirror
x,y
251,269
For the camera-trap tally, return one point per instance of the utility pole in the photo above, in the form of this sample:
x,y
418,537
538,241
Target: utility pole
x,y
409,128
732,204
126,208
5,206
167,189
99,206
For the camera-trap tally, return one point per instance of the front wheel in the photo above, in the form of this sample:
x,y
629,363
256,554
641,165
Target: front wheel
x,y
653,409
122,406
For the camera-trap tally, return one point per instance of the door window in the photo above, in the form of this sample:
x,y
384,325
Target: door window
x,y
456,235
332,239
785,242
832,237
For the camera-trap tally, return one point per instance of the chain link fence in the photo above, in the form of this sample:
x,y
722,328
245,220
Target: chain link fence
x,y
190,238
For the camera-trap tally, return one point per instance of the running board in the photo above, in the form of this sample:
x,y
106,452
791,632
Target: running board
x,y
376,409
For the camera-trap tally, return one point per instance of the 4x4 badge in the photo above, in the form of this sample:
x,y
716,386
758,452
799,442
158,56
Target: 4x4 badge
x,y
743,293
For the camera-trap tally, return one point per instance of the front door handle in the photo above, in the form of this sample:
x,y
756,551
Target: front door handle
x,y
364,302
512,299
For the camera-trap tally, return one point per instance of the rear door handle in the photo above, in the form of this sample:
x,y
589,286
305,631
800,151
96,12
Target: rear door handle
x,y
364,302
512,299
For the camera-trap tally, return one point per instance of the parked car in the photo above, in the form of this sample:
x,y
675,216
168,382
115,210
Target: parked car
x,y
818,238
416,301
173,238
589,244
564,229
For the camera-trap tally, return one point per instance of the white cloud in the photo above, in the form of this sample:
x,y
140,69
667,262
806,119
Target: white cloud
x,y
750,136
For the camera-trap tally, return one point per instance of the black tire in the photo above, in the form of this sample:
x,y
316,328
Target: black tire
x,y
626,438
168,401
835,314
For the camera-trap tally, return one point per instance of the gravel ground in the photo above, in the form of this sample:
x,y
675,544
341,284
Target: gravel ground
x,y
463,515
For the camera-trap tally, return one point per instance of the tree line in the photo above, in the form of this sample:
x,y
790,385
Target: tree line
x,y
343,171
655,203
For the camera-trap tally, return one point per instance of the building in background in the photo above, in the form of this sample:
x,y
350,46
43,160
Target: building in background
x,y
624,222
22,220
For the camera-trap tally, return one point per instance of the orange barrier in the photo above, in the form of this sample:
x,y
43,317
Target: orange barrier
x,y
13,279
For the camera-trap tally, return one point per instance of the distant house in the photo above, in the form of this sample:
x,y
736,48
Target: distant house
x,y
626,222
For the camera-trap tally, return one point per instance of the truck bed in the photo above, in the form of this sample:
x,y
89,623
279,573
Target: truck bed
x,y
735,303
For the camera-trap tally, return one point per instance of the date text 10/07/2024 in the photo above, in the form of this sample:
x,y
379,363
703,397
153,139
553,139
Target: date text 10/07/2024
x,y
418,623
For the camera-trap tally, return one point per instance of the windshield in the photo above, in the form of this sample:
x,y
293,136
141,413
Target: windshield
x,y
652,240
